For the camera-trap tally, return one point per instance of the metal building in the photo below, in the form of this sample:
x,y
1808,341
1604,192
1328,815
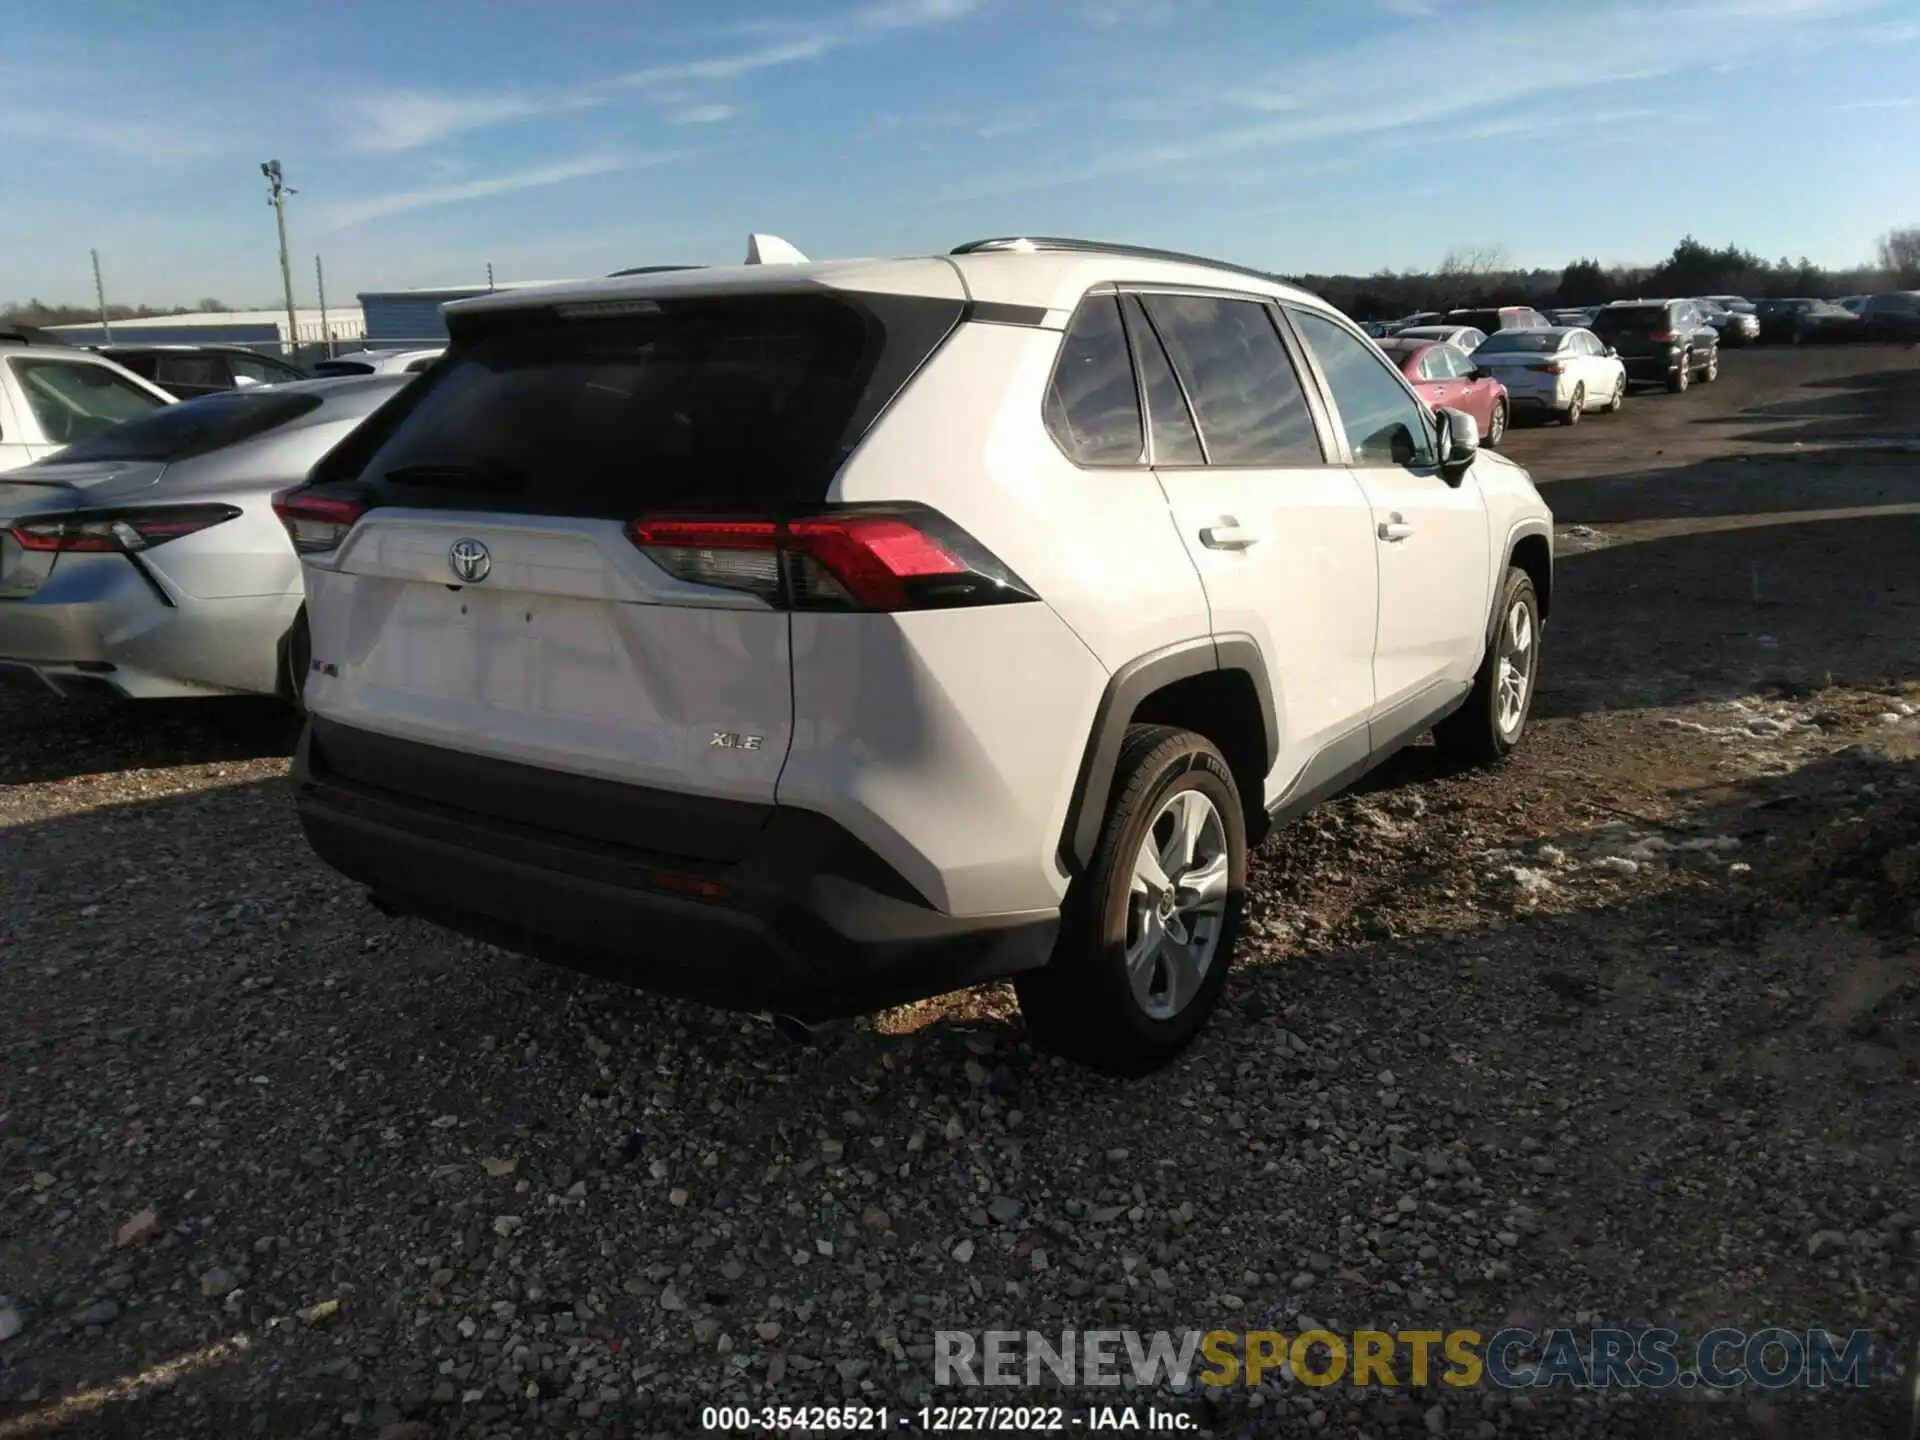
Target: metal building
x,y
397,319
257,329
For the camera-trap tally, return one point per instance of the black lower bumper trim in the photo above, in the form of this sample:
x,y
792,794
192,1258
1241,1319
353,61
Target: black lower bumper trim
x,y
758,940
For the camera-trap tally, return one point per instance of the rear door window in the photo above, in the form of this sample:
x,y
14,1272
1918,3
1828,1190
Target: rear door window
x,y
1093,405
191,372
1169,418
1246,396
709,404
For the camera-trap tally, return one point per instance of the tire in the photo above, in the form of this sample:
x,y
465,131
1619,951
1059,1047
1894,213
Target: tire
x,y
1619,396
1682,377
1497,426
296,657
1571,415
1084,1003
1484,729
1712,371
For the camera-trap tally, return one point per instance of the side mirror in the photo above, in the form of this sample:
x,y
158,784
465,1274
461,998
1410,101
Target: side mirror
x,y
1459,440
1612,353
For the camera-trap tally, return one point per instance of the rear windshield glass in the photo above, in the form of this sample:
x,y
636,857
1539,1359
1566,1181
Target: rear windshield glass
x,y
193,427
1539,342
710,403
342,367
1634,319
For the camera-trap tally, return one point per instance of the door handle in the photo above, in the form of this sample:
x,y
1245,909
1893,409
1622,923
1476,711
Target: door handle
x,y
1229,534
1393,528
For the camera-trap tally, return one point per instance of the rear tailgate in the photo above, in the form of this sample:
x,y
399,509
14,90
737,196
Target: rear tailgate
x,y
491,600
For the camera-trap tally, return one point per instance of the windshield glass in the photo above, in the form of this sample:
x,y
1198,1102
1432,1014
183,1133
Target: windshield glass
x,y
1632,319
1533,342
193,427
705,404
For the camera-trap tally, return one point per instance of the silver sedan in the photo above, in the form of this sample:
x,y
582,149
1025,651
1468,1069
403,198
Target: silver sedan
x,y
146,561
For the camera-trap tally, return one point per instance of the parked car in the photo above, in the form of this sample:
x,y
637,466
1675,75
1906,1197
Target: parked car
x,y
1578,318
1445,377
1891,315
673,631
1506,317
1739,304
1376,329
1563,371
376,362
1852,304
1465,336
187,371
146,562
1667,342
53,395
1735,327
1803,321
1418,318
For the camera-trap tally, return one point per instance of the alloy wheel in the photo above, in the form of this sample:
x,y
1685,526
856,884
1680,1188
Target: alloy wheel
x,y
1177,905
1518,650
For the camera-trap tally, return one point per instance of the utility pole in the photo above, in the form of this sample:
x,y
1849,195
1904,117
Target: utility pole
x,y
320,283
100,294
277,193
489,277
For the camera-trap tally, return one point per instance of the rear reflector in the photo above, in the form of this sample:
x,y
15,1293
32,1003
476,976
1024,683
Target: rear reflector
x,y
855,558
117,531
316,523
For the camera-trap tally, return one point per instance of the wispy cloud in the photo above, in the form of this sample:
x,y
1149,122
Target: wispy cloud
x,y
147,140
1361,92
357,212
793,43
702,114
388,122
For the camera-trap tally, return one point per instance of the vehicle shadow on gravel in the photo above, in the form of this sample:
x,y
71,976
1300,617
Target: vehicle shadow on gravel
x,y
324,1105
44,736
1873,404
1704,591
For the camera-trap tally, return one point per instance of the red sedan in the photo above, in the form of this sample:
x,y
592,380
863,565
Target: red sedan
x,y
1445,375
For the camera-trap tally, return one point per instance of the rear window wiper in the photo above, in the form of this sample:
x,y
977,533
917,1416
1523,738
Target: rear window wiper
x,y
491,475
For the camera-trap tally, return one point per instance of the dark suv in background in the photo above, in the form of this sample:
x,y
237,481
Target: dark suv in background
x,y
1891,315
186,371
1665,341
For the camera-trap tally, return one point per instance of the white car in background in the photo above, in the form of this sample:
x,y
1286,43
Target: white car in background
x,y
376,362
53,395
1562,371
1465,336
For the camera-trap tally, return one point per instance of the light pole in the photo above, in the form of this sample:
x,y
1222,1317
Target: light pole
x,y
277,193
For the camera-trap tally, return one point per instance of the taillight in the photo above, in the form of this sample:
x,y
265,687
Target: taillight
x,y
858,558
316,523
1549,367
117,531
1664,336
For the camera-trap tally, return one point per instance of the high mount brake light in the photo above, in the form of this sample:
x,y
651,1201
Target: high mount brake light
x,y
845,559
316,523
123,531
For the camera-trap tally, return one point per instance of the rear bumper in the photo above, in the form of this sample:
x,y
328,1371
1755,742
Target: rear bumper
x,y
99,623
805,920
1652,367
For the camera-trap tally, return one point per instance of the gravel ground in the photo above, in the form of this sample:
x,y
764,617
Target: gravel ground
x,y
1621,1034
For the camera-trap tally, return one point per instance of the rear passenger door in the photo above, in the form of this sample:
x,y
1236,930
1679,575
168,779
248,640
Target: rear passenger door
x,y
1429,533
1278,529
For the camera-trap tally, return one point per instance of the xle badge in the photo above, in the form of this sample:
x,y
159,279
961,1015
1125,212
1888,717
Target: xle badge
x,y
728,740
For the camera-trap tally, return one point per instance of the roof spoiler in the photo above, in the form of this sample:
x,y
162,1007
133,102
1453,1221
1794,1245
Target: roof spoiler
x,y
772,250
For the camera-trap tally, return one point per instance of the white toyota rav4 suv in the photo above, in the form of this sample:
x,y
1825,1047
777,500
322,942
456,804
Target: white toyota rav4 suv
x,y
814,637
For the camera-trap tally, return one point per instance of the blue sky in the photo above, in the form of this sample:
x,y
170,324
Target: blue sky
x,y
570,137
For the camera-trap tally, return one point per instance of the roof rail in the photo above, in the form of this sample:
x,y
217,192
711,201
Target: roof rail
x,y
29,335
1054,244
